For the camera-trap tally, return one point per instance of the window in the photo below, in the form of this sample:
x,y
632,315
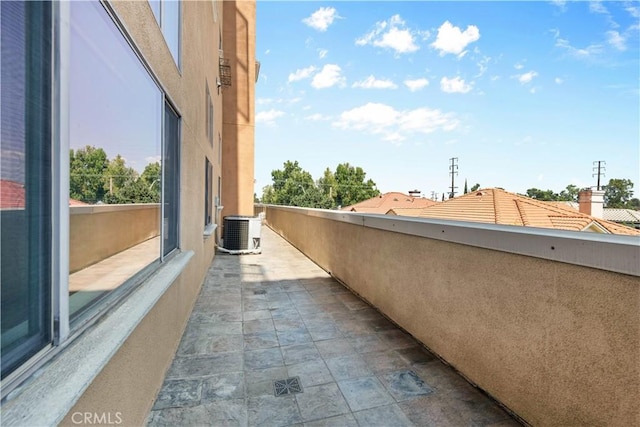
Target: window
x,y
87,215
208,193
115,141
171,179
168,15
209,115
25,173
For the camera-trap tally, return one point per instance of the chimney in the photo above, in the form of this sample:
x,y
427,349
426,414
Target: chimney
x,y
414,193
591,202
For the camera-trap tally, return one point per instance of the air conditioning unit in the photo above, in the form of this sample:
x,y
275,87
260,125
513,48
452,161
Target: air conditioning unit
x,y
241,235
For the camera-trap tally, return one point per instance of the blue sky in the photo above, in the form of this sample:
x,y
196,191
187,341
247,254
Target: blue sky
x,y
524,94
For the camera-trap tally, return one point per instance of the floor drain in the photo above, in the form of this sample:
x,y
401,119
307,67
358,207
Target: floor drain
x,y
287,386
259,292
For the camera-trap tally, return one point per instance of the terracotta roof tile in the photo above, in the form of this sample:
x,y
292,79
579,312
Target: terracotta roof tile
x,y
496,206
621,215
11,194
384,202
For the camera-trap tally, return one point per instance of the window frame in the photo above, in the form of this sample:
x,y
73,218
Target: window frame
x,y
62,330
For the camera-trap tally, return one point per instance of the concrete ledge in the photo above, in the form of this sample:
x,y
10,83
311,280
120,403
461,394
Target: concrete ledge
x,y
209,230
60,383
620,254
96,209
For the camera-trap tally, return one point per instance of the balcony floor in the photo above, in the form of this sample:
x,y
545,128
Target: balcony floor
x,y
274,316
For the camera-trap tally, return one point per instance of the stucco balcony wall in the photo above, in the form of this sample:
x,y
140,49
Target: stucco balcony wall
x,y
97,232
554,341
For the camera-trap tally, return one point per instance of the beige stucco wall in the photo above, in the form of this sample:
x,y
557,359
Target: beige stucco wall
x,y
558,344
131,380
98,232
239,108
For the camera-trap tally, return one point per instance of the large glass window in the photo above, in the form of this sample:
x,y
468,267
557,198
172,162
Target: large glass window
x,y
171,178
209,116
208,192
168,15
123,173
115,140
25,176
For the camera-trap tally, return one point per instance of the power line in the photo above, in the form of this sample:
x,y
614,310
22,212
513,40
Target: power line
x,y
453,171
599,170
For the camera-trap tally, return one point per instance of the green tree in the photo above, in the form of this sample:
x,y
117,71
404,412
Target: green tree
x,y
268,195
569,194
118,175
545,195
618,193
475,187
293,186
328,185
466,189
86,174
351,186
152,178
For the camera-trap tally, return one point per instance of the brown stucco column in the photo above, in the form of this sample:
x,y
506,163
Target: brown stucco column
x,y
238,125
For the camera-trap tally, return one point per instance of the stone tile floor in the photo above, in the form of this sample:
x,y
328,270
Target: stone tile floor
x,y
274,316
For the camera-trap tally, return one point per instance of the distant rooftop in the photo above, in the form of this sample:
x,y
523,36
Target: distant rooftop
x,y
610,214
382,203
496,206
12,196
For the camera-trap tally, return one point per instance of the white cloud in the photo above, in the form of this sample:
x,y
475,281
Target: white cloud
x,y
301,74
394,125
322,53
454,85
322,18
267,52
372,83
392,34
562,4
452,40
317,117
588,52
153,159
526,77
518,66
558,80
633,11
616,40
269,117
330,75
596,6
483,66
416,84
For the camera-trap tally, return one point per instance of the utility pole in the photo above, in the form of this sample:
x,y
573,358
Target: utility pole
x,y
599,170
453,171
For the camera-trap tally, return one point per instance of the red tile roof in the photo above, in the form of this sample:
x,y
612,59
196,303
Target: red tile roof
x,y
496,206
384,202
11,194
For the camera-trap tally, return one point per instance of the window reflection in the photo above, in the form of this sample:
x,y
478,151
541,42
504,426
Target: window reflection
x,y
171,27
25,176
167,13
115,171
